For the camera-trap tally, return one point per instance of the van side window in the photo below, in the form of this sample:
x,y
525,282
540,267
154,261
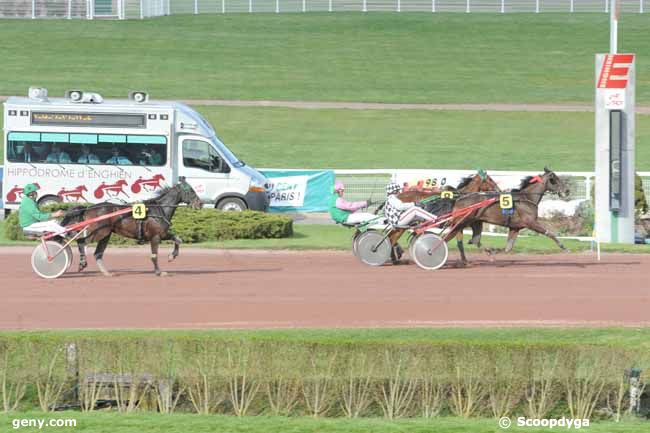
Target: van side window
x,y
200,154
63,148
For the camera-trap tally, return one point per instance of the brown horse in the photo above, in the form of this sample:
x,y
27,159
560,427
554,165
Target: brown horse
x,y
526,201
479,182
154,227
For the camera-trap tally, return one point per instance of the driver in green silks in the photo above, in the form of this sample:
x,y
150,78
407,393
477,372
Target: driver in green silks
x,y
31,218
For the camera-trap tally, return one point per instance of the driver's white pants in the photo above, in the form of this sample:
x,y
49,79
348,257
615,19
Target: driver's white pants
x,y
50,226
414,214
360,217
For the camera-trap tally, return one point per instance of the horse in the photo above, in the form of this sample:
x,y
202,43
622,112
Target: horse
x,y
479,182
154,227
525,199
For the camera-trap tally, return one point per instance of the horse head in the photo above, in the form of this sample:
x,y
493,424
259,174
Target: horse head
x,y
187,194
480,182
554,184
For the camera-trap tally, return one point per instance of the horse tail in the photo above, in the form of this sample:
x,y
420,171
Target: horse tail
x,y
73,215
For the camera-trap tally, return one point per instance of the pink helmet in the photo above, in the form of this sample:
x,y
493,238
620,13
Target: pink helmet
x,y
338,186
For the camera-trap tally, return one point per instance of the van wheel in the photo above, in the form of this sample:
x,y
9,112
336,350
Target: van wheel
x,y
233,204
49,199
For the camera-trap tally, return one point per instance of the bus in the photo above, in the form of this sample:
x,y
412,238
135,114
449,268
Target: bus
x,y
84,149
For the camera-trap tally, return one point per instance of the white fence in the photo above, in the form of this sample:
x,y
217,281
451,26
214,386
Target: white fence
x,y
125,9
362,184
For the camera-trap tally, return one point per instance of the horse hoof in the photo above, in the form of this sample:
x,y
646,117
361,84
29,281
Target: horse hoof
x,y
82,266
109,274
462,264
162,274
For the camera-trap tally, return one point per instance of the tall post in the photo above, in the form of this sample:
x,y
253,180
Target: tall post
x,y
33,9
572,8
468,8
304,5
536,6
503,6
196,7
640,6
329,6
250,6
69,9
399,6
613,27
277,6
223,6
365,6
433,6
606,6
615,147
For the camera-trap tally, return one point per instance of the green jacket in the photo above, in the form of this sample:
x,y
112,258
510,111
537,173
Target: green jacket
x,y
29,213
338,215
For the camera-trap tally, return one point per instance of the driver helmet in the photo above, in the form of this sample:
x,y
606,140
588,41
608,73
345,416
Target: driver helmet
x,y
393,188
339,186
30,188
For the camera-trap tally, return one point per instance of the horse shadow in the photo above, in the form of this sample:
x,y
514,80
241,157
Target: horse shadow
x,y
170,273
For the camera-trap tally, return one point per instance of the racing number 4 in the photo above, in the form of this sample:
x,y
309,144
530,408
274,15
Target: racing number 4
x,y
139,211
505,201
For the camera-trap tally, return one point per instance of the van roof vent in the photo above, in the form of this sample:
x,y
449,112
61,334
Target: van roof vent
x,y
37,93
81,97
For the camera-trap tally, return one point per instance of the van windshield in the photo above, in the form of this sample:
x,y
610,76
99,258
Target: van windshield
x,y
223,149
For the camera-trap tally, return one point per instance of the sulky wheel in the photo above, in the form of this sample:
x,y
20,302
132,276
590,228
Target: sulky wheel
x,y
373,248
355,243
68,252
51,260
429,251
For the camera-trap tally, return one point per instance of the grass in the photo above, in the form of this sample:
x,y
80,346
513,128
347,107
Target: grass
x,y
389,57
334,237
293,138
111,422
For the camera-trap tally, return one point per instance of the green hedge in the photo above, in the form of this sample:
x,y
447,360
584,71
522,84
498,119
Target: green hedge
x,y
198,225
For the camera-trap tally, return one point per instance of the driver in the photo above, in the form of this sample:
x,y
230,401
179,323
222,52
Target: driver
x,y
32,219
345,212
403,214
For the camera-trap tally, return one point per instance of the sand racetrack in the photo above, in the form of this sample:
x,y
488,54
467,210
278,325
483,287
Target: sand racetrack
x,y
266,289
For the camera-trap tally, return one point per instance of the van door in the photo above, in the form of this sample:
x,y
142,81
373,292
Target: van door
x,y
203,167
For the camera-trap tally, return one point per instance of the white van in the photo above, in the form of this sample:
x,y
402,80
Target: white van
x,y
83,148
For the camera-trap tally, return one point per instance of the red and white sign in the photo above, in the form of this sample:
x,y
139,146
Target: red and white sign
x,y
615,70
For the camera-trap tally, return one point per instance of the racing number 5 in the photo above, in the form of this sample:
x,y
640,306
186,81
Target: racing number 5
x,y
505,201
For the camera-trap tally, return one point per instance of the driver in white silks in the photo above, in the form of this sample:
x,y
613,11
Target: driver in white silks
x,y
403,214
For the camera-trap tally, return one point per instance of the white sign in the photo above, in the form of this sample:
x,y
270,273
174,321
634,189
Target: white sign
x,y
442,178
614,98
288,191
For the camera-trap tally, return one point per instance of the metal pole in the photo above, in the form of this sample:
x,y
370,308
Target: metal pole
x,y
399,6
250,6
467,7
196,7
613,27
640,6
606,6
503,6
365,6
69,9
33,9
277,6
304,5
329,7
536,6
141,9
223,6
433,6
572,7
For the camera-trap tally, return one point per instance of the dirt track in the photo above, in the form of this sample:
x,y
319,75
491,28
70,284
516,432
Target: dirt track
x,y
243,289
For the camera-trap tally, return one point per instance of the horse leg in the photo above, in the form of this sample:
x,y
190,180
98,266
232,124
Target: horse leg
x,y
177,244
512,237
459,242
539,228
396,251
477,229
155,242
81,245
99,255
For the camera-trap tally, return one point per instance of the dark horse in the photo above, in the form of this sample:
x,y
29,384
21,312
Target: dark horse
x,y
479,182
155,227
526,201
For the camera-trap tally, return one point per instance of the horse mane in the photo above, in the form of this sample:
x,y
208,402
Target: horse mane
x,y
465,181
524,183
161,192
